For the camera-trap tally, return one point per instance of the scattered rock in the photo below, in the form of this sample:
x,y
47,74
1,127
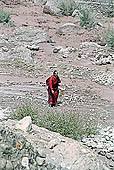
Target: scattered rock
x,y
99,55
2,163
50,8
25,162
67,26
25,124
103,143
64,51
75,13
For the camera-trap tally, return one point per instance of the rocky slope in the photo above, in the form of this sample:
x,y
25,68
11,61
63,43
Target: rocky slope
x,y
26,146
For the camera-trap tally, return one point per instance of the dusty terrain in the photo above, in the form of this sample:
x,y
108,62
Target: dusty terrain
x,y
16,83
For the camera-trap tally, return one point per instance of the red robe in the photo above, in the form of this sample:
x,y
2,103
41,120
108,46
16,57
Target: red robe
x,y
53,85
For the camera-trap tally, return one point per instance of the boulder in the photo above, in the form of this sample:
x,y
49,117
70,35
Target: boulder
x,y
50,8
22,42
60,152
24,124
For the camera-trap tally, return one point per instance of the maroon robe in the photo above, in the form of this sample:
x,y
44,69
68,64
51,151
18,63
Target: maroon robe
x,y
53,85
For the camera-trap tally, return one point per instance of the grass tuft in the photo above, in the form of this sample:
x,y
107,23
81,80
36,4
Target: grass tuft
x,y
67,7
4,16
70,124
86,18
21,63
109,36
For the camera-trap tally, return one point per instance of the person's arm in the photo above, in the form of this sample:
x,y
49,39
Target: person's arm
x,y
59,81
51,84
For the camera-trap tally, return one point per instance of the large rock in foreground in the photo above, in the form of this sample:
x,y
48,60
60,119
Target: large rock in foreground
x,y
38,148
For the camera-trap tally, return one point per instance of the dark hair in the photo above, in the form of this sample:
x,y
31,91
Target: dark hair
x,y
54,72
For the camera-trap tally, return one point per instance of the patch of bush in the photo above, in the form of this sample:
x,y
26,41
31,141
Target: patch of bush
x,y
109,36
86,17
4,16
109,11
67,124
21,63
67,7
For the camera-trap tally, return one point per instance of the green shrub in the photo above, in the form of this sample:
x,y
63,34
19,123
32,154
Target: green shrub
x,y
24,110
21,63
4,16
109,36
109,11
67,124
86,18
67,7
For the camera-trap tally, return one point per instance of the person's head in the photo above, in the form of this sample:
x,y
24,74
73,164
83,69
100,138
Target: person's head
x,y
55,73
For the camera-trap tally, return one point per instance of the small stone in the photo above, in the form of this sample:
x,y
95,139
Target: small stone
x,y
33,47
108,155
42,153
107,138
40,161
112,157
25,124
57,49
9,165
111,164
2,163
102,153
111,148
25,162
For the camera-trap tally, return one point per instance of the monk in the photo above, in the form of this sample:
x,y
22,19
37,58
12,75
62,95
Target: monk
x,y
53,91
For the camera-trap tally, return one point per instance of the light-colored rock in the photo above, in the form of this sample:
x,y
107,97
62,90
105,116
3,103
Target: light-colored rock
x,y
64,51
4,113
24,124
99,55
63,152
67,26
75,13
2,163
22,53
25,162
9,165
21,43
50,8
40,161
1,114
33,47
29,36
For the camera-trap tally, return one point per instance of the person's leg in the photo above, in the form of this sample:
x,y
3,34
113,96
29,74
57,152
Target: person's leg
x,y
55,97
50,98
